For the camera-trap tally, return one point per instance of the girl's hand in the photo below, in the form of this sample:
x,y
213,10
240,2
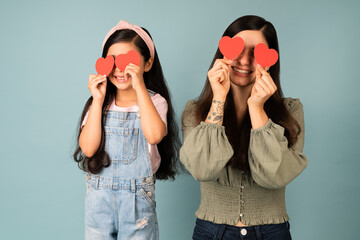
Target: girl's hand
x,y
97,86
133,71
219,78
262,89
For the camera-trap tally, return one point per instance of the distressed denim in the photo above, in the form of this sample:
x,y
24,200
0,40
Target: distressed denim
x,y
120,200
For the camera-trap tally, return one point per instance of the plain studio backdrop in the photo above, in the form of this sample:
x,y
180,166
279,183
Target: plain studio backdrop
x,y
49,48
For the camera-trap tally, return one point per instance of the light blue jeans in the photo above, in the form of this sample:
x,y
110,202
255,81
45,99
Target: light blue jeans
x,y
120,200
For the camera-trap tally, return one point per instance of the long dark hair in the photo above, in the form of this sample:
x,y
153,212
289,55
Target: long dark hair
x,y
239,133
155,81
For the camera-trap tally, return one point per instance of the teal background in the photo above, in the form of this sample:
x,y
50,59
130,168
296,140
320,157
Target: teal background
x,y
48,49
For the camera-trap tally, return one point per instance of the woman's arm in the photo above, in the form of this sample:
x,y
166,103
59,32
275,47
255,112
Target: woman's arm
x,y
272,164
206,149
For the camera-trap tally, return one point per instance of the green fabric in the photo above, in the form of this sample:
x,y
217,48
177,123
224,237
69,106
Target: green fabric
x,y
229,195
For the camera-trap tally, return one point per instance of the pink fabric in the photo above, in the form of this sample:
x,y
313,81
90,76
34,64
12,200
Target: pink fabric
x,y
125,25
162,108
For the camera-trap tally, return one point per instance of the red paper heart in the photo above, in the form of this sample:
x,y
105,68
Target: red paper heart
x,y
104,65
264,56
231,47
122,60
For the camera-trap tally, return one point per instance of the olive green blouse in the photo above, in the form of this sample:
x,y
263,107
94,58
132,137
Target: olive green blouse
x,y
229,195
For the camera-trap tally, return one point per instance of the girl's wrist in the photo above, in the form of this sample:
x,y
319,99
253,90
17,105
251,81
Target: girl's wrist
x,y
97,102
140,87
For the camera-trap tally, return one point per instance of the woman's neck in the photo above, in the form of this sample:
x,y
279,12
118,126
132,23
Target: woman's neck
x,y
240,97
126,98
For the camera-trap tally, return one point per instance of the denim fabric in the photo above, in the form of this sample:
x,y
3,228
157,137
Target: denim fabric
x,y
120,200
205,230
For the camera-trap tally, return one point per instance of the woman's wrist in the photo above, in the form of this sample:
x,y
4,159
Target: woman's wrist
x,y
216,113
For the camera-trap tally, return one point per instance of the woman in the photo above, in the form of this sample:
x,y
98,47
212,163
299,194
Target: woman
x,y
243,141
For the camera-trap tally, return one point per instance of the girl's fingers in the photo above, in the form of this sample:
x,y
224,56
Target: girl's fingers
x,y
97,80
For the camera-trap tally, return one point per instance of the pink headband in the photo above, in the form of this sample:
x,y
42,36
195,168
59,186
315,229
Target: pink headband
x,y
125,25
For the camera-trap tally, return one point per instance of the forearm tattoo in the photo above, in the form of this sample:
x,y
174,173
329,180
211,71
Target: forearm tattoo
x,y
216,112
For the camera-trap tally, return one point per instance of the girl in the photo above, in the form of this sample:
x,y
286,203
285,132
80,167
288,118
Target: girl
x,y
243,141
128,137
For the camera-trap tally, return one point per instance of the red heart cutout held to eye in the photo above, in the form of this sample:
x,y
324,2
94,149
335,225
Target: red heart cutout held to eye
x,y
264,56
104,66
122,60
231,47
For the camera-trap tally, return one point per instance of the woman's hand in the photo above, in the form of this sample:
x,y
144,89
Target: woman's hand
x,y
97,86
136,75
263,88
219,78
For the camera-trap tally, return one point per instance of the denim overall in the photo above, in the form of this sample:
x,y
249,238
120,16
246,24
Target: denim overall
x,y
120,200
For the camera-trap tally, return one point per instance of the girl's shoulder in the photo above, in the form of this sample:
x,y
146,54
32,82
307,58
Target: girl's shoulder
x,y
292,104
157,98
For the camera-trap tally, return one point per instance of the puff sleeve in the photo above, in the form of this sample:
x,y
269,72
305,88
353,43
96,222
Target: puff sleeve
x,y
273,165
206,149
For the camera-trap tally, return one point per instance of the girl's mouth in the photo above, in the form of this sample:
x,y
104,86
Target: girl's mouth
x,y
120,79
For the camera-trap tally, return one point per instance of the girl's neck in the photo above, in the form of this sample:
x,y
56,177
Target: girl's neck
x,y
125,98
240,97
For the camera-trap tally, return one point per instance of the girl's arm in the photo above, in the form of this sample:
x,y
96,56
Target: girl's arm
x,y
152,125
90,136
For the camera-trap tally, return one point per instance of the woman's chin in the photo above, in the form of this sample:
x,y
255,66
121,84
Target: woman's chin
x,y
241,82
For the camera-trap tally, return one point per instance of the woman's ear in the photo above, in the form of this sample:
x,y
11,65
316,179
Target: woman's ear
x,y
148,64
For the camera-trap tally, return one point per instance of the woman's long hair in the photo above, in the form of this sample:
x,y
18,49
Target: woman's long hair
x,y
239,133
155,81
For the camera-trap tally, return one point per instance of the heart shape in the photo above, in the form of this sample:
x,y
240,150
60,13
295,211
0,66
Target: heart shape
x,y
264,56
231,47
104,66
122,60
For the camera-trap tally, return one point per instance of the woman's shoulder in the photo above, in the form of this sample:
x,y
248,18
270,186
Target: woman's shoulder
x,y
188,116
190,107
292,104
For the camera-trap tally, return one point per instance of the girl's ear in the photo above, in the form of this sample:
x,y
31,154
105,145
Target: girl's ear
x,y
148,64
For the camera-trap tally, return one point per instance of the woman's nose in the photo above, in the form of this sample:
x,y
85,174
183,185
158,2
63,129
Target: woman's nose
x,y
244,58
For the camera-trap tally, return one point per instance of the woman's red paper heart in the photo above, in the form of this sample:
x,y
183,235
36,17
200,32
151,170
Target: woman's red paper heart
x,y
104,66
264,56
231,47
122,60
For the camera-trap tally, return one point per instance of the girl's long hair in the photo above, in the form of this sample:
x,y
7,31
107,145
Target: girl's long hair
x,y
155,81
239,133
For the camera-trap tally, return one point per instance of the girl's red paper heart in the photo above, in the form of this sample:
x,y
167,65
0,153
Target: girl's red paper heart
x,y
264,56
122,60
231,47
104,66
